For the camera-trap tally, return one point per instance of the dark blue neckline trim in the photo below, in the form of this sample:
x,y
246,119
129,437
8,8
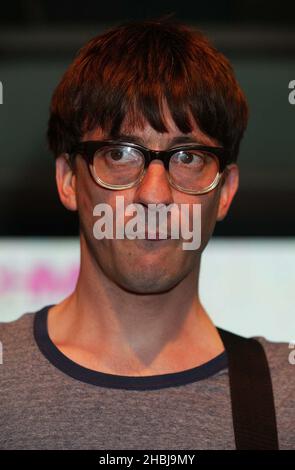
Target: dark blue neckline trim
x,y
103,379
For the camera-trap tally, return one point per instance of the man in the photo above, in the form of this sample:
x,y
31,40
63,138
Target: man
x,y
131,359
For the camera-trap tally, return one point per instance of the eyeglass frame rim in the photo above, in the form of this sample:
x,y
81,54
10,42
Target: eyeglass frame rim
x,y
88,148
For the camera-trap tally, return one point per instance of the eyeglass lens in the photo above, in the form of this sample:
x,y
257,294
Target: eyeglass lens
x,y
191,169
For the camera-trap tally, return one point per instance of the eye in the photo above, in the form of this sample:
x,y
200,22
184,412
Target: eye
x,y
120,155
189,158
116,154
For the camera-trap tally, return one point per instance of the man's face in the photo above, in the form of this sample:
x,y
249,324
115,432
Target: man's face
x,y
142,265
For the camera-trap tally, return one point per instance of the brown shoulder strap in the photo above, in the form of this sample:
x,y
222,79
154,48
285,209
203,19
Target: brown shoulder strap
x,y
253,410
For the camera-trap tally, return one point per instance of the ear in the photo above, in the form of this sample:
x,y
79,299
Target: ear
x,y
66,182
230,184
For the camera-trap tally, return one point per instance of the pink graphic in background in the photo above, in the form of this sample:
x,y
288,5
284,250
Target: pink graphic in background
x,y
40,279
7,280
45,279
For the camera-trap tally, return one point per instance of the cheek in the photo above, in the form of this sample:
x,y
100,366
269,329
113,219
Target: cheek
x,y
209,211
85,200
208,206
90,194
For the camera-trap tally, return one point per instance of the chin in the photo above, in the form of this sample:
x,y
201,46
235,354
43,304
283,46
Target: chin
x,y
149,281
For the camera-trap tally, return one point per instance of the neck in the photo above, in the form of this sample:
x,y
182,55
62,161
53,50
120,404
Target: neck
x,y
105,327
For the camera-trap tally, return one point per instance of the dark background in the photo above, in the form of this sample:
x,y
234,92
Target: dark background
x,y
38,40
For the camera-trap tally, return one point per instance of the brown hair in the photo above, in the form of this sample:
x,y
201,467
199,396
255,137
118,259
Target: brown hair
x,y
136,66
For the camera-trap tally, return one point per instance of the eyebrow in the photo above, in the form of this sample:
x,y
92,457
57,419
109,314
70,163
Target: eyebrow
x,y
181,139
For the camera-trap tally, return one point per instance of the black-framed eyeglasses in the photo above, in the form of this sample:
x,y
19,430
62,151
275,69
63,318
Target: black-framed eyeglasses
x,y
192,168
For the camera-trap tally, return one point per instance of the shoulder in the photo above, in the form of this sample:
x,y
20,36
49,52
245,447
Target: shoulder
x,y
280,356
20,326
16,337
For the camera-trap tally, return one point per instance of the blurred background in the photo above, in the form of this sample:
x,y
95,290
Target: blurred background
x,y
248,269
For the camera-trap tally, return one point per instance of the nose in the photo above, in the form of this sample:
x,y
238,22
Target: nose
x,y
154,188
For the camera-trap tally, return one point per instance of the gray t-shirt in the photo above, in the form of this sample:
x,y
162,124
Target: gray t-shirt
x,y
51,402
